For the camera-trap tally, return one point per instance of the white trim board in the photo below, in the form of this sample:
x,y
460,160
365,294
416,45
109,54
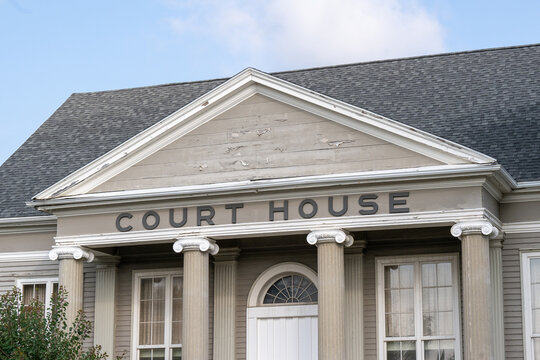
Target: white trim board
x,y
521,227
24,256
232,92
303,226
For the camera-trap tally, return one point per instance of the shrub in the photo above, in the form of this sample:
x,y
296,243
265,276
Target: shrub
x,y
31,332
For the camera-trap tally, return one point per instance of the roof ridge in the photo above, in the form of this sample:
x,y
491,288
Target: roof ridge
x,y
317,68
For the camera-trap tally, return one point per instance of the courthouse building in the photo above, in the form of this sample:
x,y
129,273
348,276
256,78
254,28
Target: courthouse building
x,y
382,210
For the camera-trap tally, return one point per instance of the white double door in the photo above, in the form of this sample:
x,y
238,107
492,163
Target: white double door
x,y
285,332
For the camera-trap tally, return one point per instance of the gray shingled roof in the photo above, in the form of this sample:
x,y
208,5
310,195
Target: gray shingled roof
x,y
488,100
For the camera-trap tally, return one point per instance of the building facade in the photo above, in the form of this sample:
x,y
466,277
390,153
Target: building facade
x,y
384,210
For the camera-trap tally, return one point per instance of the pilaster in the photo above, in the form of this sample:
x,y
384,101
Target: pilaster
x,y
71,276
354,301
195,340
331,272
104,318
477,306
225,265
497,306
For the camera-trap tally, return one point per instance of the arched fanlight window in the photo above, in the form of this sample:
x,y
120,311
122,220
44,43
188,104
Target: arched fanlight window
x,y
292,288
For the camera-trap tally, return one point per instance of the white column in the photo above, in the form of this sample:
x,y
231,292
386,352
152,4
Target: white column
x,y
71,277
495,264
477,312
225,304
354,302
195,310
104,315
331,272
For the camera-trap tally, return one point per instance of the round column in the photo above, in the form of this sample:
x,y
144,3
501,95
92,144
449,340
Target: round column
x,y
196,286
475,267
71,277
331,304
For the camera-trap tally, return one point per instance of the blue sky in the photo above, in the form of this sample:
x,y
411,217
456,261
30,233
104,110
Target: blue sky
x,y
50,49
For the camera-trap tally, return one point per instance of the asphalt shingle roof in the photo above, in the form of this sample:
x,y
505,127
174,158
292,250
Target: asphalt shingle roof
x,y
488,100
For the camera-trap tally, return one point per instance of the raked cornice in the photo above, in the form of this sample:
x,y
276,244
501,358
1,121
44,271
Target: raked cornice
x,y
76,252
202,244
478,227
330,235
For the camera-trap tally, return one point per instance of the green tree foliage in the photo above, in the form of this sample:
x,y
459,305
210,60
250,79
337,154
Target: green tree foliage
x,y
31,332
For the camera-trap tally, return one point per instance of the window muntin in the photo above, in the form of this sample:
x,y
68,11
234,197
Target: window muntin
x,y
41,289
292,288
530,263
418,308
158,316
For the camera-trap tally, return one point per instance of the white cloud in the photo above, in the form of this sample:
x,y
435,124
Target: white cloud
x,y
295,33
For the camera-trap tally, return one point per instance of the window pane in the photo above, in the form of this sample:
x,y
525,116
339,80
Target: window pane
x,y
536,320
535,271
146,289
439,350
145,313
291,289
429,275
445,323
177,287
444,274
145,354
177,354
40,292
392,324
177,333
158,354
158,333
391,277
145,333
536,348
401,350
406,276
28,294
430,323
55,289
158,310
407,325
158,289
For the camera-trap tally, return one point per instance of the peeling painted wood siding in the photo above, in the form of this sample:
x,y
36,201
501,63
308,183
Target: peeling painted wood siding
x,y
262,138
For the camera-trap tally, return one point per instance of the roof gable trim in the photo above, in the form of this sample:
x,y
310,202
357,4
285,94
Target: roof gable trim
x,y
231,93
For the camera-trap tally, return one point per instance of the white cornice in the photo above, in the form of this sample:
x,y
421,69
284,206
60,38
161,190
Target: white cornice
x,y
24,256
451,172
231,93
303,226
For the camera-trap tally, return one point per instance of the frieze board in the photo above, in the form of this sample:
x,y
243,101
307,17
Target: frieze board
x,y
303,226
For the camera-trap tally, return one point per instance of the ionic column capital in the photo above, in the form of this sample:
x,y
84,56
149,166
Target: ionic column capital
x,y
480,227
331,235
195,244
75,252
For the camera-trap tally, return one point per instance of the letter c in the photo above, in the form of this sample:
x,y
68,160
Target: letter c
x,y
119,226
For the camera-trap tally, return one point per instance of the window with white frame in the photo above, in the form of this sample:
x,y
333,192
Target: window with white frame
x,y
530,265
157,315
41,289
418,308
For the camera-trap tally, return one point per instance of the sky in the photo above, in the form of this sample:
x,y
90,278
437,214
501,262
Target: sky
x,y
51,49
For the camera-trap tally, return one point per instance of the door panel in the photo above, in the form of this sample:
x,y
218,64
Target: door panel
x,y
282,333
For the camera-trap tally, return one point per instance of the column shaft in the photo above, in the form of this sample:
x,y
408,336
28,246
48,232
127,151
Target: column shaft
x,y
105,308
224,310
476,297
195,310
330,259
71,278
495,262
354,307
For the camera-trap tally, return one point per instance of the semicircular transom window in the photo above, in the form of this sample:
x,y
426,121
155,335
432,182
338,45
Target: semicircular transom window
x,y
291,289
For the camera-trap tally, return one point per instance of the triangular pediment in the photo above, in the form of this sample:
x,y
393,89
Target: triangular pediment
x,y
256,126
262,138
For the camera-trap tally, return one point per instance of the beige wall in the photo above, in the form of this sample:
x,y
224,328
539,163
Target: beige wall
x,y
254,210
262,138
520,211
32,241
